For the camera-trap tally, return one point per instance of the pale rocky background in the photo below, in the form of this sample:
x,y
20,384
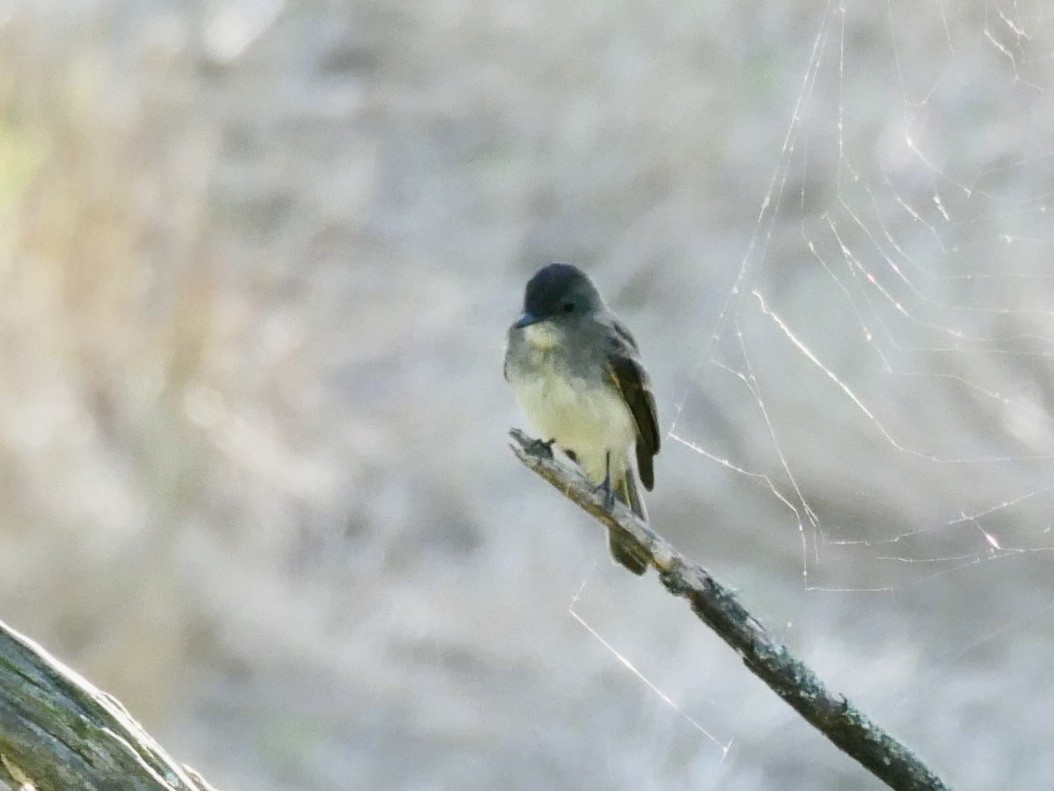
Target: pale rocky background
x,y
258,260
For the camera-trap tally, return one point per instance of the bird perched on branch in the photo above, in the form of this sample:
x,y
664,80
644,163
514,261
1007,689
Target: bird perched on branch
x,y
578,376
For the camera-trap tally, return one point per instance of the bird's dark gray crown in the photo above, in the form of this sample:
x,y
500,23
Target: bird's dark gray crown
x,y
560,289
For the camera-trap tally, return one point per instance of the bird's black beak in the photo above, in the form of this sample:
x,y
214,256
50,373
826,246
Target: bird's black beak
x,y
526,320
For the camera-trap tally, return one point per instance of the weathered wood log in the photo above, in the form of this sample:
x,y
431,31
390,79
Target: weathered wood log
x,y
59,733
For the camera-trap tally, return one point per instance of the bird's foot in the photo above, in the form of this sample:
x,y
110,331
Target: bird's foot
x,y
605,486
608,491
540,447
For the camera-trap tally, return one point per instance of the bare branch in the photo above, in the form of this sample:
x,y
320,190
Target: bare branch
x,y
57,731
717,606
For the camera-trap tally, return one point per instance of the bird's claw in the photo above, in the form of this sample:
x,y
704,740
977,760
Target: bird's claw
x,y
608,491
606,487
540,447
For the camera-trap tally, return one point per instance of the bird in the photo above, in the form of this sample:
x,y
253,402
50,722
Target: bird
x,y
577,373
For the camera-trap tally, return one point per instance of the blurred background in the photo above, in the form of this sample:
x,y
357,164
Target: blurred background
x,y
258,261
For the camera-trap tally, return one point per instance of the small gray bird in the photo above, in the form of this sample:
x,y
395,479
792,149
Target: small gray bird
x,y
577,374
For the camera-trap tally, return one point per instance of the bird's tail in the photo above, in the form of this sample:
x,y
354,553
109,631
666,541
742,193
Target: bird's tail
x,y
624,549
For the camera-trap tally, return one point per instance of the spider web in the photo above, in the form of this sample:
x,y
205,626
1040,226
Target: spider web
x,y
903,312
879,370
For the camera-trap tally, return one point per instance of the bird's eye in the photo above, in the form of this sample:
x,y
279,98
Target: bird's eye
x,y
569,307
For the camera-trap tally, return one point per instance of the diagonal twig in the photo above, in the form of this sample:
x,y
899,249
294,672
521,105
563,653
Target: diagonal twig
x,y
718,607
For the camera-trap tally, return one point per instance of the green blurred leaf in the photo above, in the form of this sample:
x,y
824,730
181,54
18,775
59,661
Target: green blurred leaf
x,y
21,157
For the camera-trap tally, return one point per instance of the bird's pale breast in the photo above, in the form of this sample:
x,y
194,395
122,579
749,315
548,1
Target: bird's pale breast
x,y
580,410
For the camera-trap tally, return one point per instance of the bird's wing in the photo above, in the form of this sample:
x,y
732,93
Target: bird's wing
x,y
624,368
